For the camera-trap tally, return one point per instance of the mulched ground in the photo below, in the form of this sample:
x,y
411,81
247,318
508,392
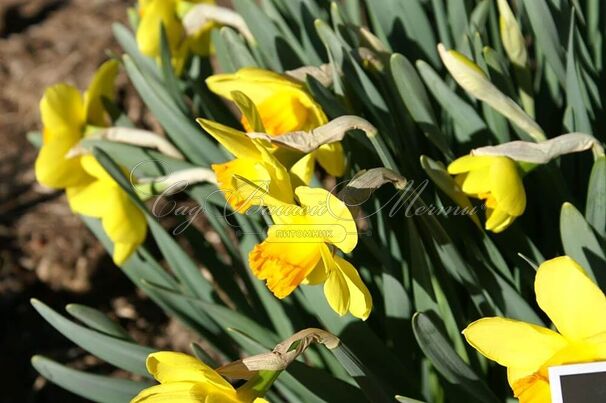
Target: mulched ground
x,y
45,251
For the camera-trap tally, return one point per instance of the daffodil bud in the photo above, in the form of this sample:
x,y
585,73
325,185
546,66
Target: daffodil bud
x,y
511,35
473,80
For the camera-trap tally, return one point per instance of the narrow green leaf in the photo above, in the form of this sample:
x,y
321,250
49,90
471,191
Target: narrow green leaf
x,y
545,30
464,116
96,388
438,349
413,94
236,49
595,210
581,244
128,356
574,90
97,320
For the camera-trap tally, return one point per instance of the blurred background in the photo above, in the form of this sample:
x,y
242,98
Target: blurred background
x,y
45,251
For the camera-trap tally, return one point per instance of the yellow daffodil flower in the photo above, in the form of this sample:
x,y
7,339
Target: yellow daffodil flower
x,y
252,162
66,114
284,105
299,249
168,12
104,199
577,308
184,379
496,180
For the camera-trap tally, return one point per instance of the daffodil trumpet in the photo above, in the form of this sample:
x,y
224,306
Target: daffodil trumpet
x,y
577,308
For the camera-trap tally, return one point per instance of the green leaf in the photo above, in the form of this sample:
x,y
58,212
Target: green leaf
x,y
181,129
574,90
97,320
595,209
438,349
96,388
128,356
128,43
407,28
413,94
581,244
277,52
464,116
236,50
546,32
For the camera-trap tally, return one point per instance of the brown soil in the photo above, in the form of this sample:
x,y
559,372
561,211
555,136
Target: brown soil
x,y
45,251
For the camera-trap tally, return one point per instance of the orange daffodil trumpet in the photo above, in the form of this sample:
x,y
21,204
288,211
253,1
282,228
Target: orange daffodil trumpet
x,y
284,105
68,117
577,308
301,249
184,379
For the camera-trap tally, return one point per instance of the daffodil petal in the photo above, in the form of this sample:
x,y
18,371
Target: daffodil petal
x,y
332,158
236,142
336,292
154,13
169,367
498,220
360,300
91,199
477,181
468,163
513,343
257,84
507,187
123,221
101,86
572,301
174,392
303,170
328,212
54,170
533,390
62,112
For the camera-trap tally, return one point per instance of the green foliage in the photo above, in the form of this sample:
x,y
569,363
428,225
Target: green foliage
x,y
430,275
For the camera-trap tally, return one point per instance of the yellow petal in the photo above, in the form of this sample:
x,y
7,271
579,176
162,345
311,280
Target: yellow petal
x,y
174,392
332,158
576,306
62,112
284,263
513,343
303,170
233,140
123,221
336,292
468,163
54,170
154,13
328,212
335,287
241,195
283,112
534,389
93,168
498,220
360,300
477,181
101,86
257,84
168,367
90,199
507,187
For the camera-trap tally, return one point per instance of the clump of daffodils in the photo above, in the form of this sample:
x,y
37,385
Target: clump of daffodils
x,y
380,174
